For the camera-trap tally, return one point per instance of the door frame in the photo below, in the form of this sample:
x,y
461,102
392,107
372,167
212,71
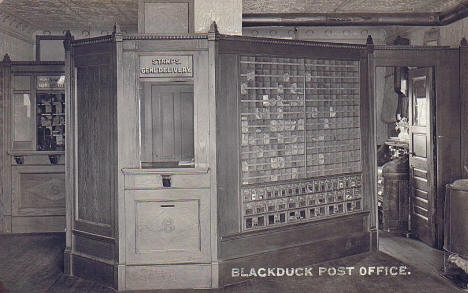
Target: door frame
x,y
446,99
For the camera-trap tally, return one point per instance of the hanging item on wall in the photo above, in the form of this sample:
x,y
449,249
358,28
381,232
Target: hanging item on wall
x,y
390,101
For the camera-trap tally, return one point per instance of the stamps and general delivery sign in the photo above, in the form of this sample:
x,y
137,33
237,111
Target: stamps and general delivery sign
x,y
166,66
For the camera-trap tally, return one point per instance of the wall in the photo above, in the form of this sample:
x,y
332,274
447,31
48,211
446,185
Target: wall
x,y
449,35
452,34
18,47
353,35
226,13
16,41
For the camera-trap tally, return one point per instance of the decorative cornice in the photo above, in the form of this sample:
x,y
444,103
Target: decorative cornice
x,y
166,171
165,37
288,42
404,47
23,63
95,40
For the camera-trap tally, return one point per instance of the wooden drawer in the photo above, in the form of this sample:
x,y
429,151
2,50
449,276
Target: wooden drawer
x,y
167,226
153,178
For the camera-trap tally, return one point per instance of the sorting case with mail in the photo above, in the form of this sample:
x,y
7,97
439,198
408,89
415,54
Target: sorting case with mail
x,y
300,142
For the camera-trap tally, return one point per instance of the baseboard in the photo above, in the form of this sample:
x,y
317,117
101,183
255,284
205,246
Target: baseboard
x,y
303,255
94,270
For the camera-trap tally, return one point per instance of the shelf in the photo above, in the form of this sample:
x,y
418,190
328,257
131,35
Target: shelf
x,y
35,153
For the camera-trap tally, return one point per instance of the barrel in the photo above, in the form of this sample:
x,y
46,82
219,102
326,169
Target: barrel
x,y
396,195
456,218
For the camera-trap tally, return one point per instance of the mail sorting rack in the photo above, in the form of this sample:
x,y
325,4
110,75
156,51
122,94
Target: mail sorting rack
x,y
300,118
304,200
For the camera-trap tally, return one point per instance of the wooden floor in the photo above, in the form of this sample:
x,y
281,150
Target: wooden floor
x,y
33,263
412,252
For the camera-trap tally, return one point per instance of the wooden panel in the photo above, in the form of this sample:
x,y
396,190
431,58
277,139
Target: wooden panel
x,y
42,190
421,193
421,183
276,48
227,141
38,190
167,277
419,145
40,224
21,83
255,242
172,123
96,154
5,200
177,181
421,111
464,109
420,173
167,225
298,256
90,269
92,245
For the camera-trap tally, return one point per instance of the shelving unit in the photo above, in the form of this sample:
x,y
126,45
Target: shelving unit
x,y
300,118
50,113
34,146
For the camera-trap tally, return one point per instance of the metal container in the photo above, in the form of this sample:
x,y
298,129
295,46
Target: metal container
x,y
456,218
396,196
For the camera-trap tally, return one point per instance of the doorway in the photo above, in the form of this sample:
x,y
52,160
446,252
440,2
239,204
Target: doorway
x,y
406,159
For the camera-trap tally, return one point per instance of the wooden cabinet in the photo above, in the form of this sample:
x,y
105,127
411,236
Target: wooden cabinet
x,y
215,152
32,150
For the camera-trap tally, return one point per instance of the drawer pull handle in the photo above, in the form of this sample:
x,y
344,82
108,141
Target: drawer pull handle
x,y
166,181
167,206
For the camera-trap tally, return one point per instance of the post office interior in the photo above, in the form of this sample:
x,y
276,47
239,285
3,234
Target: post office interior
x,y
182,138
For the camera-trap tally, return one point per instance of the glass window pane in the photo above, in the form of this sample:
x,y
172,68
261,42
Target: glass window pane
x,y
22,117
419,103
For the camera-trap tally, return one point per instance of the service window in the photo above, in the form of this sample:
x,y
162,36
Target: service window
x,y
167,133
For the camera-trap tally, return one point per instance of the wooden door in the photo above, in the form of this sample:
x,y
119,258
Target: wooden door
x,y
421,155
169,123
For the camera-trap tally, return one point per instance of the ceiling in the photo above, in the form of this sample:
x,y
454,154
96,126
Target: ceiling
x,y
356,6
73,14
102,14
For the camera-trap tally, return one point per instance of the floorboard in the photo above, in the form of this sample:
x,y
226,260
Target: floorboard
x,y
34,263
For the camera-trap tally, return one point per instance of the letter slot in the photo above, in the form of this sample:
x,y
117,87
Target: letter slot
x,y
167,206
